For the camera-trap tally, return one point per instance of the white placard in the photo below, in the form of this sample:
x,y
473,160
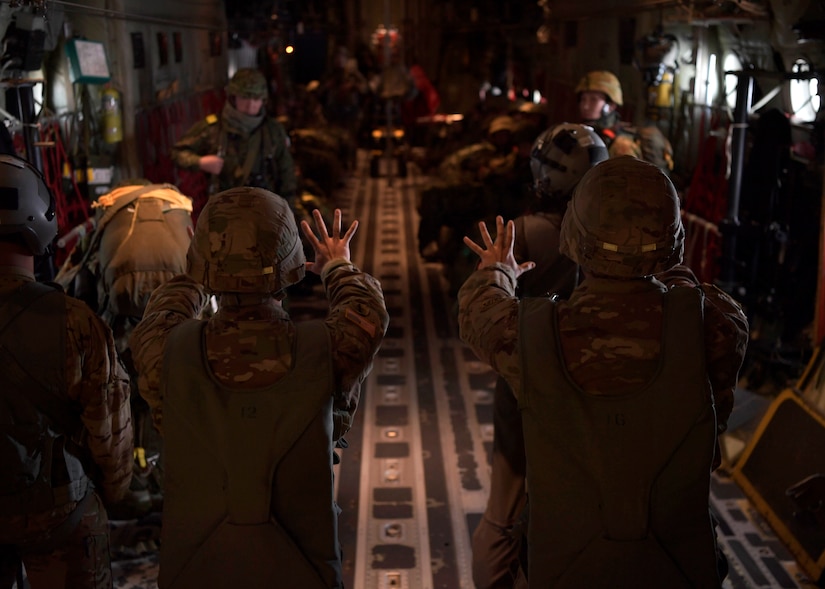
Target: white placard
x,y
91,59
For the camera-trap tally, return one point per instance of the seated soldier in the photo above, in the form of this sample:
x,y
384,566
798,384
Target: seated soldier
x,y
455,196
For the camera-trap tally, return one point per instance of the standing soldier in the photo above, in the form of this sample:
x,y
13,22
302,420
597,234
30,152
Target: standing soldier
x,y
140,241
252,404
623,388
599,95
560,157
65,423
244,146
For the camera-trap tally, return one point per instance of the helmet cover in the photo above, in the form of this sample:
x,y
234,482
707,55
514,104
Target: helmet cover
x,y
247,83
246,241
601,81
624,220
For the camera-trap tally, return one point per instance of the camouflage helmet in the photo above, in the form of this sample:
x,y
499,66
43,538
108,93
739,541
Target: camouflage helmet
x,y
246,241
247,83
624,220
560,157
27,206
604,82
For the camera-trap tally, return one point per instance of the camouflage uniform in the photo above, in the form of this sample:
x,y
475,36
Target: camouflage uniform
x,y
65,428
611,327
98,383
559,158
488,317
249,345
232,345
647,142
256,150
497,541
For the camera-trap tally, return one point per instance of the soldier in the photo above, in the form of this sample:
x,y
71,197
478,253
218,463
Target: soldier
x,y
455,197
475,183
342,93
599,95
66,434
560,157
251,404
623,389
140,241
244,146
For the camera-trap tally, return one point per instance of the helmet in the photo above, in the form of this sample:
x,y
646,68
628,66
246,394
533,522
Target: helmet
x,y
602,81
624,220
247,83
560,157
532,108
27,206
502,123
246,241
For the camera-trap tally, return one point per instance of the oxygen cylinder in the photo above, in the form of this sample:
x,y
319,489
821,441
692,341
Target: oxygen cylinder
x,y
664,91
112,116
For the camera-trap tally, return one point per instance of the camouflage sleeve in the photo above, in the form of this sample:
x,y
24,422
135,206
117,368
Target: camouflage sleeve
x,y
100,384
726,340
357,322
286,166
488,320
200,140
171,304
625,145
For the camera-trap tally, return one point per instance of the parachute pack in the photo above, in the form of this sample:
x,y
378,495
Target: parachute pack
x,y
140,242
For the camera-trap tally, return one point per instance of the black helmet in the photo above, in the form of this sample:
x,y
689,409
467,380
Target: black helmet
x,y
560,157
27,206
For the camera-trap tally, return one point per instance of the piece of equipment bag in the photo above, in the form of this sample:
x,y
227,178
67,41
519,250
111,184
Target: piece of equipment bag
x,y
140,242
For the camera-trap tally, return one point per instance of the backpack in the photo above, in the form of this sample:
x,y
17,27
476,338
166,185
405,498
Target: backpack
x,y
140,241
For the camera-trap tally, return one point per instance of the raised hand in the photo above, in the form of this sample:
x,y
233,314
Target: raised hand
x,y
329,246
499,250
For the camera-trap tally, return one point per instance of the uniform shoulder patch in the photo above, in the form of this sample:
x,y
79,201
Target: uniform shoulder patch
x,y
211,119
361,322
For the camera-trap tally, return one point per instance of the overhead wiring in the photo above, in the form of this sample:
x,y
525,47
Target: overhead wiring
x,y
190,22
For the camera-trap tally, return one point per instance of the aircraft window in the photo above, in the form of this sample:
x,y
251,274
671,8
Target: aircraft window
x,y
731,64
713,80
804,93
